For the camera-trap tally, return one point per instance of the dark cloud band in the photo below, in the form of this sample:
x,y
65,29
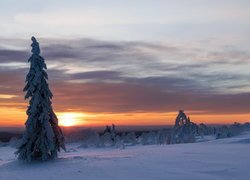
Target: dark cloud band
x,y
98,76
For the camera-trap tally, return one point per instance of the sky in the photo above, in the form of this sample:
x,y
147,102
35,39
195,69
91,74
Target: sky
x,y
129,62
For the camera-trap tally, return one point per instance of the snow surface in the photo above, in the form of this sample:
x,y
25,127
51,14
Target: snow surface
x,y
208,160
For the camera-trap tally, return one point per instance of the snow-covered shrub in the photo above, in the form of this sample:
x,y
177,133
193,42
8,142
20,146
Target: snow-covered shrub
x,y
204,130
119,142
14,142
2,144
229,131
106,140
222,132
148,138
111,130
162,137
90,138
182,134
246,127
130,139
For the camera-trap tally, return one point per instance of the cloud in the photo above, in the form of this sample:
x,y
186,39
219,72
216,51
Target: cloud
x,y
125,97
97,75
105,76
7,96
8,55
160,12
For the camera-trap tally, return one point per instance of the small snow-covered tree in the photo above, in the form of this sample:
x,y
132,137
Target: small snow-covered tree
x,y
148,138
184,130
42,137
106,140
130,138
162,136
90,138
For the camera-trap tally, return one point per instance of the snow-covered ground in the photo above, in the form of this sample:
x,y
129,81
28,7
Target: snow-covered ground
x,y
213,159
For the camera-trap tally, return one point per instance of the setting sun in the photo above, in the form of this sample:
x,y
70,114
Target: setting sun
x,y
70,118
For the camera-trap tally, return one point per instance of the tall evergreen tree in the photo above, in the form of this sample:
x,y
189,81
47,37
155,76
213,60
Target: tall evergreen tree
x,y
42,137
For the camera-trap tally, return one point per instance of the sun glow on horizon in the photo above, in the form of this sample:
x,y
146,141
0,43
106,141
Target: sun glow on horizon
x,y
16,117
70,118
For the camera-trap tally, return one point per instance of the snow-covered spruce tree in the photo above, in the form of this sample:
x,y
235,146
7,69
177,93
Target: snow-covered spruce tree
x,y
42,137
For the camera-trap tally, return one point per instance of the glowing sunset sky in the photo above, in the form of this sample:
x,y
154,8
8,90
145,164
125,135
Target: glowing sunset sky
x,y
129,62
